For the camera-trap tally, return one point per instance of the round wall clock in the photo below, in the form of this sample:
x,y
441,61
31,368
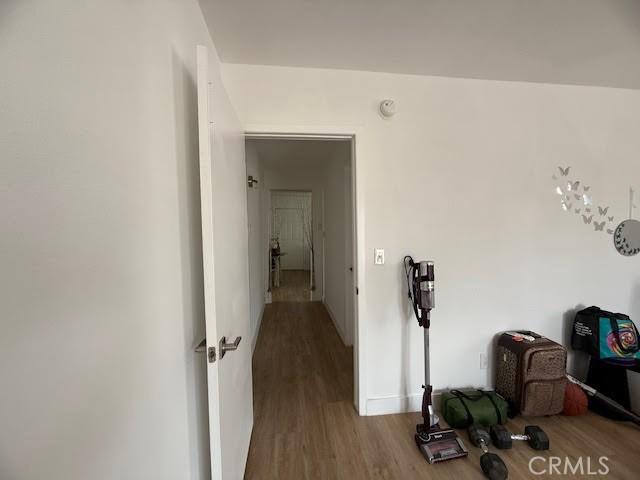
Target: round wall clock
x,y
626,238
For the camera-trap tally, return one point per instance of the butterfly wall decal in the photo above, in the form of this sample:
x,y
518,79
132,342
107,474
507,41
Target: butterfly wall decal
x,y
577,193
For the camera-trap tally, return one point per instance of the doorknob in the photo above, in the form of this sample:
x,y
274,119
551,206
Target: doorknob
x,y
211,351
228,347
202,346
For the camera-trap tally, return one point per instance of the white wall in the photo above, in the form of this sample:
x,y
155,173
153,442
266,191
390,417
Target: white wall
x,y
258,247
336,255
462,175
101,280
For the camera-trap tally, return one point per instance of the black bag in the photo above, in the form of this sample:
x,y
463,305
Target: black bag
x,y
607,336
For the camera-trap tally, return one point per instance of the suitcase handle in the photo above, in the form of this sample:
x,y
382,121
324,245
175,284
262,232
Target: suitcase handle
x,y
529,332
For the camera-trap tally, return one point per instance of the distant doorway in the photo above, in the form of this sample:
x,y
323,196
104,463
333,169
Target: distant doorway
x,y
292,268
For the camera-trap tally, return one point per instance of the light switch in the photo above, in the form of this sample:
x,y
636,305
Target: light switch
x,y
379,256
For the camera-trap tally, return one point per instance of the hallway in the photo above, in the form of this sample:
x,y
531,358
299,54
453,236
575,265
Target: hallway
x,y
303,397
294,287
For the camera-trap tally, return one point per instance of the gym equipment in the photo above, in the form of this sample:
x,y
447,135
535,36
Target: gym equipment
x,y
592,392
530,374
533,435
575,401
611,341
611,381
491,464
435,443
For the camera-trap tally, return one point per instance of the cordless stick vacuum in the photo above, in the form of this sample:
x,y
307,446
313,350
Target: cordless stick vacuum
x,y
435,443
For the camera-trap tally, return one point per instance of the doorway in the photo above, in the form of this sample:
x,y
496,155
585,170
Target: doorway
x,y
291,268
323,168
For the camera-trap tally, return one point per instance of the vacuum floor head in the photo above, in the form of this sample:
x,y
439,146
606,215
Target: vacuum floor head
x,y
439,445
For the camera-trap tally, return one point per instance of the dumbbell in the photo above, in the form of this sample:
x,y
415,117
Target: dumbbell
x,y
491,464
533,435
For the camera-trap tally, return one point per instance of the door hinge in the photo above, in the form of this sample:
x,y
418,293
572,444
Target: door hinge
x,y
357,291
211,354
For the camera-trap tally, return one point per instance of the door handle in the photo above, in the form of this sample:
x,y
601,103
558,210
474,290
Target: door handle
x,y
228,347
202,346
211,351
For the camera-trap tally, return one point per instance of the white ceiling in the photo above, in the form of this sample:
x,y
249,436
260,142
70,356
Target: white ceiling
x,y
294,154
584,42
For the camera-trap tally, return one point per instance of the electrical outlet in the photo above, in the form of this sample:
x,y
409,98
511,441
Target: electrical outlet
x,y
484,361
379,256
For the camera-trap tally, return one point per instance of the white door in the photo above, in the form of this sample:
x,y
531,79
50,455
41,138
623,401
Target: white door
x,y
288,228
292,225
225,269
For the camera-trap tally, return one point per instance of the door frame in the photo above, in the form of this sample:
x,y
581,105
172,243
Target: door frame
x,y
355,135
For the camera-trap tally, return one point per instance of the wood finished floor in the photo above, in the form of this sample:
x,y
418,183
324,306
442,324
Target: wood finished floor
x,y
294,287
307,428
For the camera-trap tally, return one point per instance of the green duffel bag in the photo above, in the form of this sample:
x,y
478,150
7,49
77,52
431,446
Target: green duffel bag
x,y
461,408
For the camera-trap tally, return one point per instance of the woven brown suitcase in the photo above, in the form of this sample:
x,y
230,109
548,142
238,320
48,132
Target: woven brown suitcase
x,y
531,375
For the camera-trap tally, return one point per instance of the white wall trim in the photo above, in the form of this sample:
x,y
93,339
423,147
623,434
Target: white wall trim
x,y
254,340
341,332
245,453
355,133
399,404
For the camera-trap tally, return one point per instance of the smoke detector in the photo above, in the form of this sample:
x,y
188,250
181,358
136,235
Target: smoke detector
x,y
388,108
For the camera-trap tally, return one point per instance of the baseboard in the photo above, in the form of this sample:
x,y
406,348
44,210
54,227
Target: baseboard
x,y
399,404
338,327
245,451
254,340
